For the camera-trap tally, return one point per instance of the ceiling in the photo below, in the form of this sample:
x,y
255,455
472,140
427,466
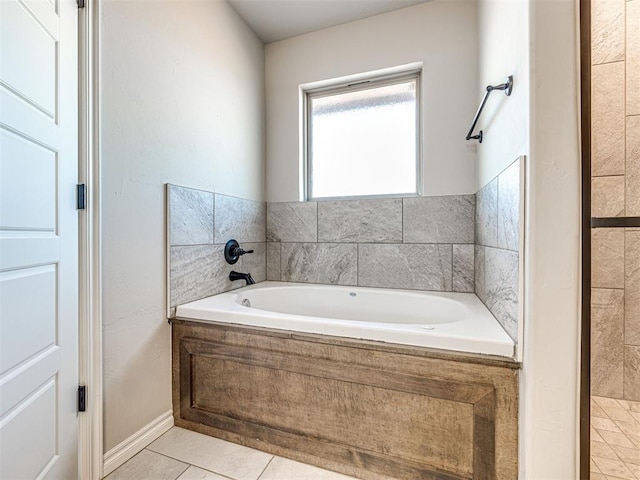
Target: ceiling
x,y
274,20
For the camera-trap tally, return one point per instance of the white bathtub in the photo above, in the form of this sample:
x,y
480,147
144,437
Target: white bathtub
x,y
450,321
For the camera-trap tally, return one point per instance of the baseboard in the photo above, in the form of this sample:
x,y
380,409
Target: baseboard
x,y
136,442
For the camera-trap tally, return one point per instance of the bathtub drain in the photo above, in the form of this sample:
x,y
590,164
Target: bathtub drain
x,y
246,302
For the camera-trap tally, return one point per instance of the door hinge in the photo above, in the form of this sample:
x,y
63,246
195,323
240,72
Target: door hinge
x,y
81,196
82,398
80,3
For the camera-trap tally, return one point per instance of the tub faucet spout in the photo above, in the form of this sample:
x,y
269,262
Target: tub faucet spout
x,y
233,276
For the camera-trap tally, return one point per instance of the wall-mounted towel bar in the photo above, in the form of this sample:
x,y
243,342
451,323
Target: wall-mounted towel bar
x,y
507,87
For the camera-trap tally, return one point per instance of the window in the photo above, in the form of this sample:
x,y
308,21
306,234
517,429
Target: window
x,y
362,139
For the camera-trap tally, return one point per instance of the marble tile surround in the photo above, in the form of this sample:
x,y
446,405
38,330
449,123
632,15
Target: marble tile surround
x,y
326,263
448,219
497,265
359,221
419,243
199,224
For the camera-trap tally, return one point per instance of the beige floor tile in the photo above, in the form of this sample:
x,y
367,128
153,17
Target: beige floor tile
x,y
628,455
635,469
593,467
634,406
618,439
614,468
597,476
624,404
605,401
620,414
636,440
595,436
603,450
148,465
604,424
195,473
225,458
282,468
598,411
630,428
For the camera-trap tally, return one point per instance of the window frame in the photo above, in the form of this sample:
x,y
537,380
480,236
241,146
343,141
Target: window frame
x,y
355,85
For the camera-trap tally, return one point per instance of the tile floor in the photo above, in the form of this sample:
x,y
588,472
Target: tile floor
x,y
185,455
615,439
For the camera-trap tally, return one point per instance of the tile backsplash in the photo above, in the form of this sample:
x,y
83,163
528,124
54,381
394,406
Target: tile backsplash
x,y
199,224
419,243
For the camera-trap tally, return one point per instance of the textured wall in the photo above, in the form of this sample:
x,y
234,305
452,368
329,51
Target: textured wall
x,y
615,163
199,225
182,101
505,120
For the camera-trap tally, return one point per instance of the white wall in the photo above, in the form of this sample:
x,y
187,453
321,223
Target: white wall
x,y
536,42
441,34
549,395
503,40
182,93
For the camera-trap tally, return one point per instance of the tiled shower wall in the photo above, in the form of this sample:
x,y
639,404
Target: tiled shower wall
x,y
615,164
199,223
421,243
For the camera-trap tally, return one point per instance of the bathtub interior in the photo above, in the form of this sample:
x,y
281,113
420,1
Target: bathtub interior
x,y
357,304
440,320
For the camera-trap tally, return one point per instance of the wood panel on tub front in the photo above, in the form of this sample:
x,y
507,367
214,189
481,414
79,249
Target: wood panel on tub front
x,y
367,409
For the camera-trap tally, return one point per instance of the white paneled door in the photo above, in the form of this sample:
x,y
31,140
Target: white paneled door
x,y
38,240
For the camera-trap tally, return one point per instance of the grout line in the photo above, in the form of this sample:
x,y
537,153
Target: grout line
x,y
357,264
607,63
162,455
210,471
452,268
266,466
183,472
402,220
191,464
